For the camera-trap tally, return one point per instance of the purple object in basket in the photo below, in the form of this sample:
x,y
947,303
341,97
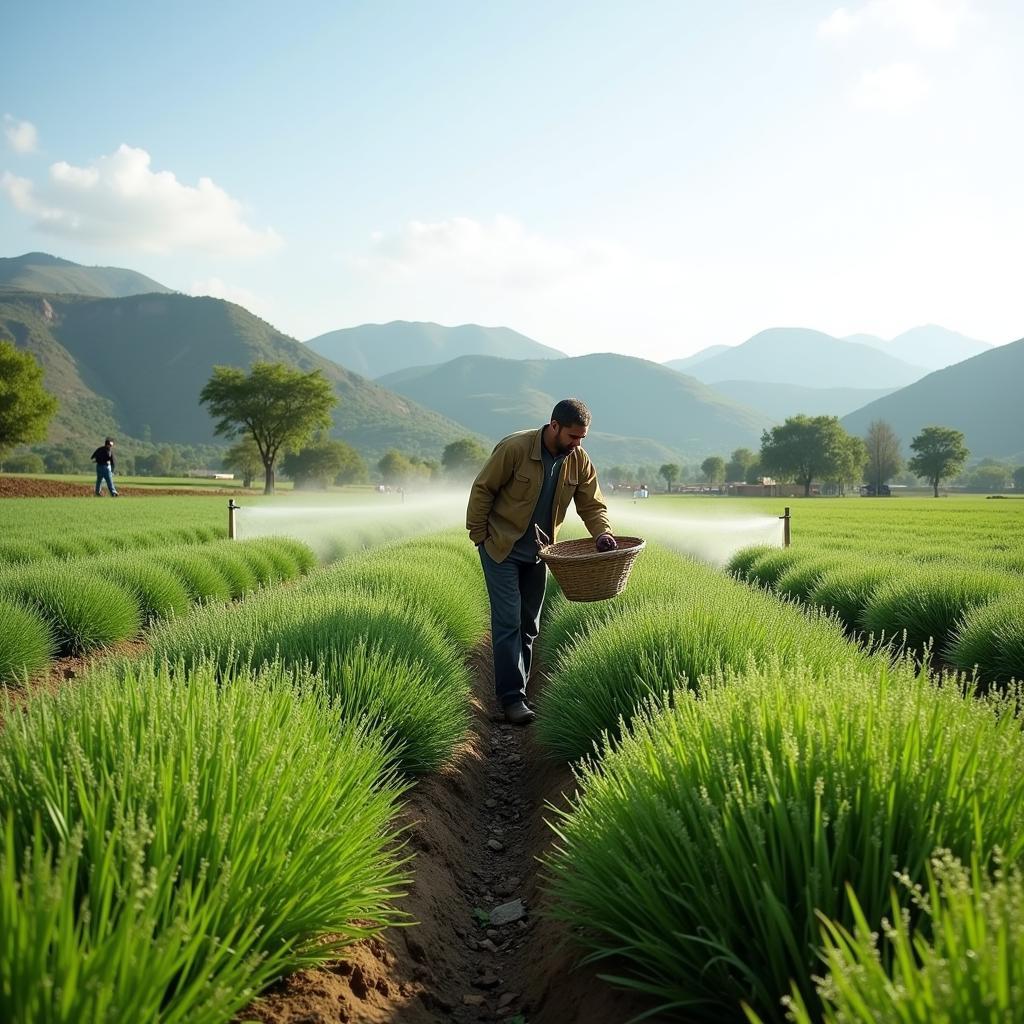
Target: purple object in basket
x,y
606,542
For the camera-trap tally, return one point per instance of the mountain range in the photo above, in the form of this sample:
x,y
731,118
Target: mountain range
x,y
373,350
125,354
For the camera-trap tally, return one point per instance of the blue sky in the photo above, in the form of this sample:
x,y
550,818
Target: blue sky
x,y
647,178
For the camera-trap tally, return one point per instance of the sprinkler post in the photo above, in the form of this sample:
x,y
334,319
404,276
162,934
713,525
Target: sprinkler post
x,y
785,517
232,509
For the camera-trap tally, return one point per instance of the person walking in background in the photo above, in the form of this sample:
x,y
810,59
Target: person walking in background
x,y
104,459
526,485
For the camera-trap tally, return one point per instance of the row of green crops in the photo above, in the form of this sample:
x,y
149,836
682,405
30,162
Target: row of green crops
x,y
969,615
722,819
678,620
184,829
170,844
82,605
387,631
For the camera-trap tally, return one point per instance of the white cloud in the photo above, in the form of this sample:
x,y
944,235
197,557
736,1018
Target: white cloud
x,y
21,135
929,24
894,89
500,253
120,200
219,289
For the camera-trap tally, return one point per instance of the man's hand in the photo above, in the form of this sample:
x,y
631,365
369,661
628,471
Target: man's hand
x,y
606,542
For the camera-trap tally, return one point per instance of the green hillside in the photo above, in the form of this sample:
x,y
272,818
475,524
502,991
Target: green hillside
x,y
778,401
980,396
41,272
373,350
136,366
629,398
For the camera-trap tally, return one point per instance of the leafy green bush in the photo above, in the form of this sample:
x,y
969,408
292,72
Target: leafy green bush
x,y
234,567
767,569
84,611
971,969
440,579
26,641
927,604
159,592
740,563
169,850
202,579
846,591
697,853
801,580
990,638
420,714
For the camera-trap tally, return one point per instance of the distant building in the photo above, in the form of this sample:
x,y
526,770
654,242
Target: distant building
x,y
210,474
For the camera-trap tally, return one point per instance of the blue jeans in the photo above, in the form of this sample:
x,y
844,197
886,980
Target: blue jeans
x,y
516,592
103,474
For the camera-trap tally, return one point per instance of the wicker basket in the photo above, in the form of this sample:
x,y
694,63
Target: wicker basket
x,y
588,575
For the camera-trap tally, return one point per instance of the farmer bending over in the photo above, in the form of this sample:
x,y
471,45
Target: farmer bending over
x,y
528,482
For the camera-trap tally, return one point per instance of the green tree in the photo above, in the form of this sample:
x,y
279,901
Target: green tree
x,y
617,475
244,458
754,473
395,468
884,457
804,449
26,408
670,471
739,464
277,406
29,462
353,468
851,458
713,469
988,475
317,464
1018,478
463,459
940,452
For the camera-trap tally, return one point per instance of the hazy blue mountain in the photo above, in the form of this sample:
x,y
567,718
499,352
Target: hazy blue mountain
x,y
629,398
778,401
930,346
980,396
41,272
373,350
136,365
811,359
684,365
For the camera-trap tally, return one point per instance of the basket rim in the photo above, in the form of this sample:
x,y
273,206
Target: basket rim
x,y
627,546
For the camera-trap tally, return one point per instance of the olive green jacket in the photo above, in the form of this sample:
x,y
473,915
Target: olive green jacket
x,y
505,492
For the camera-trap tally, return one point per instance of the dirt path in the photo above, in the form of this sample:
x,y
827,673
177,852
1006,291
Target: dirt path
x,y
477,829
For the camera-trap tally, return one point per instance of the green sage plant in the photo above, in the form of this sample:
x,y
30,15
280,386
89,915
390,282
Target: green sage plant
x,y
990,638
168,850
960,958
700,848
26,641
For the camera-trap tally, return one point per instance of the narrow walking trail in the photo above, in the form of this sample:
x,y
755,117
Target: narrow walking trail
x,y
480,950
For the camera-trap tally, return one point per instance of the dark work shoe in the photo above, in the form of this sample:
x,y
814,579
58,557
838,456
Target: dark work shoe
x,y
519,713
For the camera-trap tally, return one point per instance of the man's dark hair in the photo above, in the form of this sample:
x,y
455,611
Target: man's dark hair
x,y
571,412
108,440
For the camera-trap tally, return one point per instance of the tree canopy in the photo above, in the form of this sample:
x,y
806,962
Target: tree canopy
x,y
805,448
713,468
26,408
940,452
884,457
463,458
278,406
321,463
739,464
670,471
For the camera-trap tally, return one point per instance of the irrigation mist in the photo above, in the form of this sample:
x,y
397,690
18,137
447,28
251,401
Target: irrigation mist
x,y
331,524
712,535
